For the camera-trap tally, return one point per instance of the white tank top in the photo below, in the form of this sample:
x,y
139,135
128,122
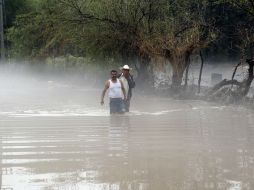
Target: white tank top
x,y
115,90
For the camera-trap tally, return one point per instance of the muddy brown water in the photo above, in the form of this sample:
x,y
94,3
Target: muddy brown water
x,y
61,138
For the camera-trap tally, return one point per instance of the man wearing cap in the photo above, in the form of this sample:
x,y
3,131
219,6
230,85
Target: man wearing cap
x,y
116,93
128,84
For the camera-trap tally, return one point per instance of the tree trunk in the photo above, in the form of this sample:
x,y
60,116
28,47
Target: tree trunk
x,y
222,91
201,70
245,87
177,75
143,74
251,51
179,64
186,77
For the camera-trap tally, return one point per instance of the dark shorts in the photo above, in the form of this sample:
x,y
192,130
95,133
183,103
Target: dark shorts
x,y
116,105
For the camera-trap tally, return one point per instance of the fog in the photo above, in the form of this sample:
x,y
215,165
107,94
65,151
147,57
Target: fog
x,y
54,134
26,89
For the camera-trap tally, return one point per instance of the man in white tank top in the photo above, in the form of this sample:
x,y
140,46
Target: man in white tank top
x,y
116,93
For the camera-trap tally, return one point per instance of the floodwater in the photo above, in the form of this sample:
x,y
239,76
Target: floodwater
x,y
58,137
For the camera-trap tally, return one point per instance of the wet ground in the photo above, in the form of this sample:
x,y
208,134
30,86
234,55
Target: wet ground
x,y
58,137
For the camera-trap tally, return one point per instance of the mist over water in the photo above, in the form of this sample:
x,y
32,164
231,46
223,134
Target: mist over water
x,y
54,134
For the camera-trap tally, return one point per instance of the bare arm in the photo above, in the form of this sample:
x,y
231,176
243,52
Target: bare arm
x,y
124,93
104,91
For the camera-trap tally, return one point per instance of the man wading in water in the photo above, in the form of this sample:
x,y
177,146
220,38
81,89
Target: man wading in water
x,y
128,84
116,93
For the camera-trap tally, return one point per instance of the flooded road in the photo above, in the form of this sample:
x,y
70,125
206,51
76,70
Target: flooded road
x,y
59,137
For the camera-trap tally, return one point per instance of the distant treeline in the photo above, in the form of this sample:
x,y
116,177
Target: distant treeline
x,y
143,31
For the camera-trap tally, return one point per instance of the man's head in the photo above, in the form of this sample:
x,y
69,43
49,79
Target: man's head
x,y
113,74
126,70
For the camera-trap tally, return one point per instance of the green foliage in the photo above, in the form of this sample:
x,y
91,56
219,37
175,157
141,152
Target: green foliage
x,y
126,28
233,20
117,27
36,34
15,7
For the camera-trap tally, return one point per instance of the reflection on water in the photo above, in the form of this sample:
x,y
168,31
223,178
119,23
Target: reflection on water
x,y
63,139
195,148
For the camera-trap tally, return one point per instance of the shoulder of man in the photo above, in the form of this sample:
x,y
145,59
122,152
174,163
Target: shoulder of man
x,y
119,75
131,77
131,81
107,83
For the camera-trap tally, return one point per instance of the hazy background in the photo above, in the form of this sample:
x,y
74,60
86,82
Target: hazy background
x,y
55,58
38,88
54,134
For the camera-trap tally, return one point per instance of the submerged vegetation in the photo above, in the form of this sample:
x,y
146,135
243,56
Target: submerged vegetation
x,y
143,33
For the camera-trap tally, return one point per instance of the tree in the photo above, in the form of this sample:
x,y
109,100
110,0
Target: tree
x,y
233,90
176,31
36,32
245,29
14,7
144,28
